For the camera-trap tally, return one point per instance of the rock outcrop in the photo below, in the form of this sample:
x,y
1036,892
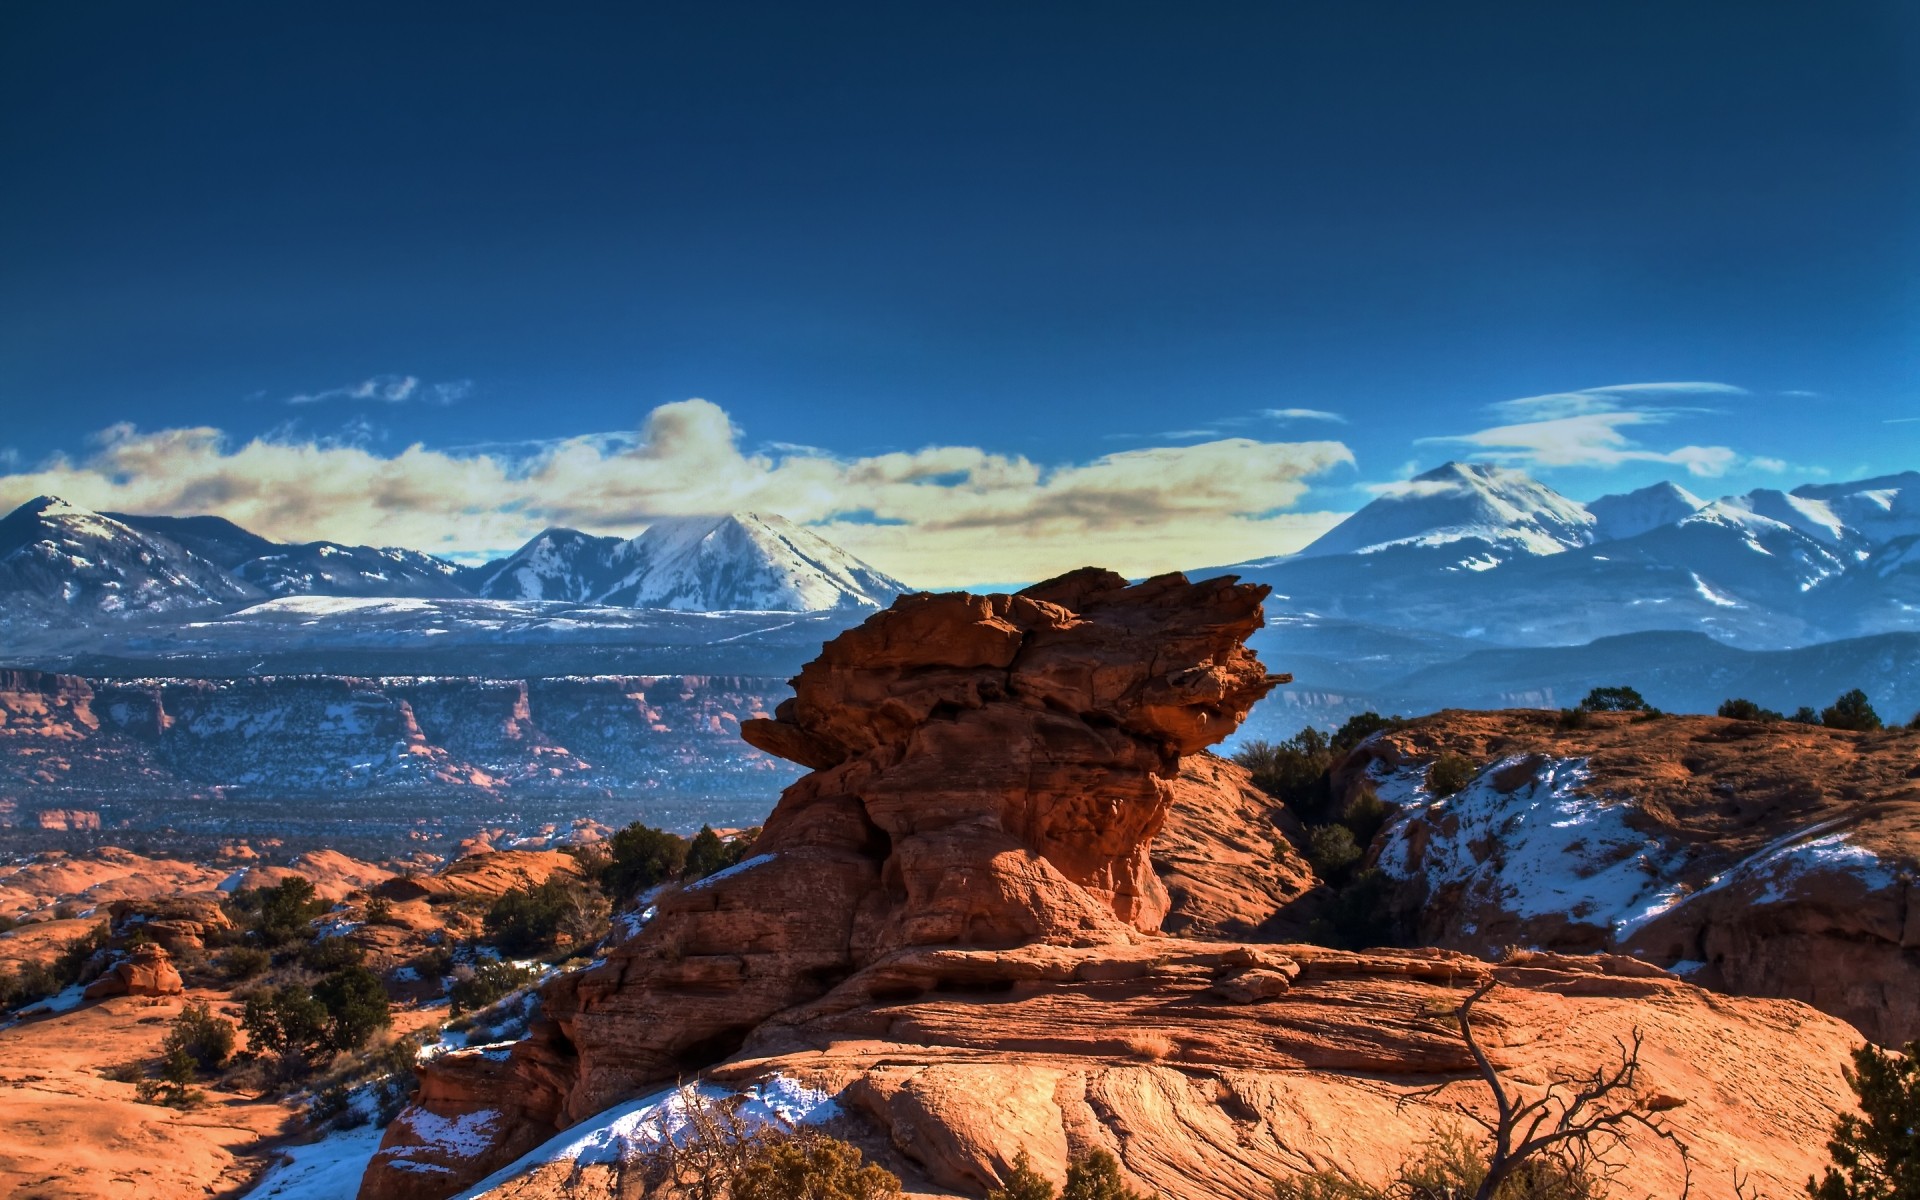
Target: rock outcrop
x,y
147,970
1761,859
952,927
989,772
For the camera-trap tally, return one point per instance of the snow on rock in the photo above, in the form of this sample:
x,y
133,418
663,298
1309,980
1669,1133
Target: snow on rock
x,y
739,868
1779,871
1542,849
1544,852
328,1169
626,1130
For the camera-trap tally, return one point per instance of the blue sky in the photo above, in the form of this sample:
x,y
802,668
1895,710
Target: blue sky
x,y
972,285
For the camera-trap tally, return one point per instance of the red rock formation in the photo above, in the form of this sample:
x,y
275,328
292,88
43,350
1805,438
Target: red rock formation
x,y
1228,860
989,772
147,971
180,924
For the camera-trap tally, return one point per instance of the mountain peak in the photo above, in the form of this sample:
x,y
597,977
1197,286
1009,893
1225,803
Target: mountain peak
x,y
746,561
710,562
1630,514
1504,509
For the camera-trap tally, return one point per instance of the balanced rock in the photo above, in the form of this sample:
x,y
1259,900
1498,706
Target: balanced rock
x,y
989,772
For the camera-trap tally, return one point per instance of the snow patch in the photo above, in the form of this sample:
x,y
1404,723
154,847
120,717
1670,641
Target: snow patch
x,y
1545,848
329,1169
739,868
629,1129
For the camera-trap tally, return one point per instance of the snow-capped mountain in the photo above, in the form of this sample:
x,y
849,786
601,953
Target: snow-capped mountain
x,y
330,569
1487,553
1879,509
744,561
560,564
1482,513
60,563
1631,514
741,562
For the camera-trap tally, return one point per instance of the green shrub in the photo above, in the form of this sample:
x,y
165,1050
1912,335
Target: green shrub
x,y
487,984
278,914
204,1038
1359,728
640,857
287,1021
810,1166
1365,814
330,954
528,921
1574,718
174,1088
1805,715
244,962
707,854
1747,710
379,911
1615,699
1023,1182
356,1006
1851,711
1096,1176
1294,771
1876,1154
302,1024
1449,774
1332,851
1364,911
77,961
1451,1167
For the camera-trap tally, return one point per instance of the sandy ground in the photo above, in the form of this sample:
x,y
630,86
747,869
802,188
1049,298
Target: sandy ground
x,y
70,1133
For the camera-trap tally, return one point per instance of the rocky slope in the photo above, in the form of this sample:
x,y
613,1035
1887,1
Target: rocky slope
x,y
951,929
1769,860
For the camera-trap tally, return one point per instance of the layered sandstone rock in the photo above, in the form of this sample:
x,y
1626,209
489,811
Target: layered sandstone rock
x,y
1229,859
989,772
1210,1070
1762,859
487,874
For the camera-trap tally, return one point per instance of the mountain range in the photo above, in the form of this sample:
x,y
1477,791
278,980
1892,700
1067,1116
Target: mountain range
x,y
63,566
1487,553
1468,585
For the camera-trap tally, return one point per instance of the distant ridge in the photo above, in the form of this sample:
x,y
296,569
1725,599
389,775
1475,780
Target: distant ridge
x,y
62,565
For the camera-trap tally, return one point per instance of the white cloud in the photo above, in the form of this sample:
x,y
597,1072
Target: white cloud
x,y
938,516
1302,414
391,389
1587,428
